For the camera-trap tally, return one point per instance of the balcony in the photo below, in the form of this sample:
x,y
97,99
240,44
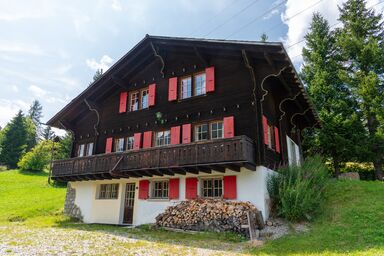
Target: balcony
x,y
198,157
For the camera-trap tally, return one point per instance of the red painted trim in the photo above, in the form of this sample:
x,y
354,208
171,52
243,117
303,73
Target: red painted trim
x,y
210,79
190,188
147,141
151,95
229,187
172,89
137,141
123,102
265,128
229,127
186,133
175,135
108,145
143,189
174,188
277,141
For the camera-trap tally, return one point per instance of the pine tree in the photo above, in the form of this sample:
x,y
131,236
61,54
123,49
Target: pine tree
x,y
47,133
361,46
14,141
36,112
341,127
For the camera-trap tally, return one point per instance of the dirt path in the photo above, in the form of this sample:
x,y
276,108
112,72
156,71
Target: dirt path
x,y
21,240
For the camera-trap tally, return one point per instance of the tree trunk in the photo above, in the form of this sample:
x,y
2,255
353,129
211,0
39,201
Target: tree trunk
x,y
336,165
378,169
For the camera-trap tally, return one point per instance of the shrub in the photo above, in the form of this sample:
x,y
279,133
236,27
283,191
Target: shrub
x,y
38,158
366,170
297,192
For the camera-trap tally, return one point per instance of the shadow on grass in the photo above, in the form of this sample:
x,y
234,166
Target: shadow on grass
x,y
34,173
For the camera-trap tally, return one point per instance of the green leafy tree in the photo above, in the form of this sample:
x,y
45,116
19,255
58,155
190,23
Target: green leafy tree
x,y
360,44
38,158
63,151
14,140
264,37
342,130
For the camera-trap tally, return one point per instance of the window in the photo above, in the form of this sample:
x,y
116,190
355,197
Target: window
x,y
89,150
199,81
212,187
144,98
108,191
80,150
293,152
212,130
192,86
130,141
160,189
186,88
201,132
217,130
163,138
134,102
139,99
119,145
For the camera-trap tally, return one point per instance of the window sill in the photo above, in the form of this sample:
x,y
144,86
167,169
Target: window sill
x,y
158,199
192,97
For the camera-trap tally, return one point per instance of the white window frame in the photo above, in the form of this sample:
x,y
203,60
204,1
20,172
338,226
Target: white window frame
x,y
197,133
217,130
163,192
199,88
108,191
130,143
163,138
186,89
81,150
89,149
119,144
144,103
219,189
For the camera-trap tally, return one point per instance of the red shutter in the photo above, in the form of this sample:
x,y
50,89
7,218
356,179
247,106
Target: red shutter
x,y
175,135
147,143
191,188
277,141
172,89
210,79
108,145
136,140
186,133
229,187
143,189
265,128
151,94
229,127
173,189
123,102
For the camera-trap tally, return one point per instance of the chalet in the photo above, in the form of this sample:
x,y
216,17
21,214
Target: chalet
x,y
181,118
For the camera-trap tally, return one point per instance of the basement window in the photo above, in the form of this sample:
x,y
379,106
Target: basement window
x,y
108,191
212,187
160,189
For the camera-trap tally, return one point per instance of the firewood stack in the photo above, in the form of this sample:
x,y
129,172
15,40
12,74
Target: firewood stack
x,y
211,215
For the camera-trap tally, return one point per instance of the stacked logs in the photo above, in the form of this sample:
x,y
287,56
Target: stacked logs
x,y
211,215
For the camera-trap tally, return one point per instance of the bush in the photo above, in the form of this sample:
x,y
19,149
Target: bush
x,y
297,192
38,158
366,170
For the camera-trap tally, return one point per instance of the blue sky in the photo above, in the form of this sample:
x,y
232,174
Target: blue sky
x,y
50,49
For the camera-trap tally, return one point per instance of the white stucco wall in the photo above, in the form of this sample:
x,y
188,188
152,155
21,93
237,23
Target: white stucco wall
x,y
251,186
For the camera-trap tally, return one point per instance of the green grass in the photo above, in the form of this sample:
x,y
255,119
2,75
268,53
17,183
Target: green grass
x,y
352,221
26,196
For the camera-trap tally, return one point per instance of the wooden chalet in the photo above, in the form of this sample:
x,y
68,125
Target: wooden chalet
x,y
180,118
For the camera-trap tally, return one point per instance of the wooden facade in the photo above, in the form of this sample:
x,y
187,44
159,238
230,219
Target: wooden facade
x,y
252,82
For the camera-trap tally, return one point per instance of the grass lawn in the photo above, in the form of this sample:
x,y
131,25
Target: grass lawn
x,y
352,223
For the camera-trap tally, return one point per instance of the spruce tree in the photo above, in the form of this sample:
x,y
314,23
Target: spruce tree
x,y
341,128
361,50
14,141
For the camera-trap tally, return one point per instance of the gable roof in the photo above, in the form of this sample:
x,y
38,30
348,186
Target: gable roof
x,y
149,41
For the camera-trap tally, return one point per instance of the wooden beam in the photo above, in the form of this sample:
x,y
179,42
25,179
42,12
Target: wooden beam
x,y
192,170
119,82
232,167
203,169
217,168
179,171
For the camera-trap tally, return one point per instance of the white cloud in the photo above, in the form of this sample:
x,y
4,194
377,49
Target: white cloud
x,y
116,5
271,14
14,88
15,47
104,63
37,91
8,109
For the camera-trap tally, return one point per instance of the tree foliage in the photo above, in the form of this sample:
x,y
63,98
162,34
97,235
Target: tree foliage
x,y
38,158
341,134
360,43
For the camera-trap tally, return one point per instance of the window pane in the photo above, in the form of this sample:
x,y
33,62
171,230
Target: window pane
x,y
201,132
212,187
217,130
89,149
130,141
134,104
160,189
144,99
163,138
186,88
119,145
81,150
199,84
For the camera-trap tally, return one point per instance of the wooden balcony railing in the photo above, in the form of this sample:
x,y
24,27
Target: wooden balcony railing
x,y
196,157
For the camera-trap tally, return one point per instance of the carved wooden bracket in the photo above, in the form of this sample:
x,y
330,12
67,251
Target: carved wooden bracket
x,y
157,55
93,107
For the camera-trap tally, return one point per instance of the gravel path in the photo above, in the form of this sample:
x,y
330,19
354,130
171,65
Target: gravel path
x,y
21,240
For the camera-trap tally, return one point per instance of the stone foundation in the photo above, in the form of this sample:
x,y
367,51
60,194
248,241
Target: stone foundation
x,y
70,208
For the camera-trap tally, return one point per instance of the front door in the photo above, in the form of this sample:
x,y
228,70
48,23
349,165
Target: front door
x,y
129,203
